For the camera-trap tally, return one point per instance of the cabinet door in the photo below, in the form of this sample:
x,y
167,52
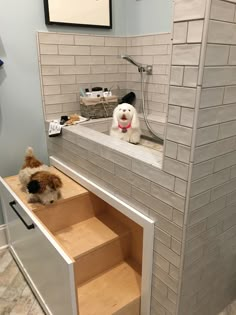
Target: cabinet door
x,y
48,269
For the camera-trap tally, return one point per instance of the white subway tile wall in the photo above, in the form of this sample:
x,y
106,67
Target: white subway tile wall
x,y
154,50
70,61
208,271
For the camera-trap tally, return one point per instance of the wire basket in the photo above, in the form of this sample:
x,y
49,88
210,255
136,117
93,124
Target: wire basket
x,y
98,107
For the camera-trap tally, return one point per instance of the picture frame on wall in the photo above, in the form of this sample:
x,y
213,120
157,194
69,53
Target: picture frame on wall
x,y
87,13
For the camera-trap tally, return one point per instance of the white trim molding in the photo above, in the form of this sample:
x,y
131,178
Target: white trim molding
x,y
3,236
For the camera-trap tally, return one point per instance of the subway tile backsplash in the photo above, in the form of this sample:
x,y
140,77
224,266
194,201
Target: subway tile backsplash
x,y
69,62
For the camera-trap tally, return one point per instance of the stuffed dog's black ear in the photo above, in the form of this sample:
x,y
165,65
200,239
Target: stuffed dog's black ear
x,y
33,187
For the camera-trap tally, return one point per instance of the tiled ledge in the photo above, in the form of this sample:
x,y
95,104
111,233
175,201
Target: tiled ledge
x,y
134,151
156,121
139,153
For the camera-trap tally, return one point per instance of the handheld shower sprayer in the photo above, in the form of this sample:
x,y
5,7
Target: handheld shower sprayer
x,y
141,67
148,70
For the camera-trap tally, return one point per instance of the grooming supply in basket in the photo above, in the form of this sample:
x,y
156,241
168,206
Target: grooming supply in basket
x,y
98,107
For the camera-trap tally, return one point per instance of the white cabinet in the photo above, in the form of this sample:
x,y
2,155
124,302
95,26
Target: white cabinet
x,y
80,255
49,271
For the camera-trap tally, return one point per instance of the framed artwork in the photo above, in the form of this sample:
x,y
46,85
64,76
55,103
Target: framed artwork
x,y
88,13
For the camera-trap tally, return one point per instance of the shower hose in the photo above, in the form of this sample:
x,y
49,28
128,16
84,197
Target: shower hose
x,y
156,136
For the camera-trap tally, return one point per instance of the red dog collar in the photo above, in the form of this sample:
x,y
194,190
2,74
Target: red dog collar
x,y
124,129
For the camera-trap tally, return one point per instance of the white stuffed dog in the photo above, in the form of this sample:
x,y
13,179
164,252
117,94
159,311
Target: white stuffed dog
x,y
125,124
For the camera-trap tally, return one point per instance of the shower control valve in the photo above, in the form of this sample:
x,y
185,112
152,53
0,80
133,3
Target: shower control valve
x,y
149,69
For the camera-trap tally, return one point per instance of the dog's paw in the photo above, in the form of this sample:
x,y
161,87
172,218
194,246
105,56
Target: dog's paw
x,y
23,189
32,199
134,139
59,195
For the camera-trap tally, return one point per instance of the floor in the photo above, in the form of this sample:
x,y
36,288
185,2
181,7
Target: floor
x,y
229,310
16,297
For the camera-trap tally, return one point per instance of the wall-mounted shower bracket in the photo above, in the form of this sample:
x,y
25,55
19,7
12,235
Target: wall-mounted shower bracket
x,y
147,69
141,67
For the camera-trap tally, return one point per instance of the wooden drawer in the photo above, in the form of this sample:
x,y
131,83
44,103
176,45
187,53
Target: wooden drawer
x,y
80,255
40,258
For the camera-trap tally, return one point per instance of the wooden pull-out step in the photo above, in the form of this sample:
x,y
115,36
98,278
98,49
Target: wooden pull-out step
x,y
83,237
70,189
95,246
116,291
102,259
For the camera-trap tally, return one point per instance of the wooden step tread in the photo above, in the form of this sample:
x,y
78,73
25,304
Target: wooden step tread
x,y
110,292
85,236
70,189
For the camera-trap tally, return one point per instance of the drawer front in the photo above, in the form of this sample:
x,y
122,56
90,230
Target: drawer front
x,y
46,266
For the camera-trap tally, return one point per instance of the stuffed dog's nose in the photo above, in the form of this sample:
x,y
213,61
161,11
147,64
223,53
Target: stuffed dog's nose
x,y
124,110
51,201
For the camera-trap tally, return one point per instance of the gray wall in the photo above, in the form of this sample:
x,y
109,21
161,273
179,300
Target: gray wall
x,y
21,116
148,16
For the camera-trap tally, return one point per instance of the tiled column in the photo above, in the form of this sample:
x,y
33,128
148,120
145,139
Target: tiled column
x,y
184,89
209,274
184,93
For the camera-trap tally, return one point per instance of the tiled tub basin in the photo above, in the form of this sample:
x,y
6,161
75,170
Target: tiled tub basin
x,y
157,123
92,136
147,142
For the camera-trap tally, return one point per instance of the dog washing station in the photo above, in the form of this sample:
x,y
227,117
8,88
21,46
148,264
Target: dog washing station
x,y
188,189
138,231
